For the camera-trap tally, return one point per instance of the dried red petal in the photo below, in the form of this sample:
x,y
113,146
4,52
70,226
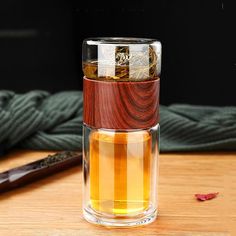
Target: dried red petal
x,y
204,197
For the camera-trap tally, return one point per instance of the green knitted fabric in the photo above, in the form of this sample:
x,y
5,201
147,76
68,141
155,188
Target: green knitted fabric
x,y
38,120
198,128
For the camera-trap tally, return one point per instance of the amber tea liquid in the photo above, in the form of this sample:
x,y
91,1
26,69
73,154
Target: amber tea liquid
x,y
120,171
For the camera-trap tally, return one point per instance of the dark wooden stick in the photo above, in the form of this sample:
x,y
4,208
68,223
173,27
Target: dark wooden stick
x,y
28,173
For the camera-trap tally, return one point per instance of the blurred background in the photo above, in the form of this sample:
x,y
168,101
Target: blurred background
x,y
40,43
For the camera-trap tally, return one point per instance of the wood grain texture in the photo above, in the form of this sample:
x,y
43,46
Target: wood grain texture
x,y
53,206
121,105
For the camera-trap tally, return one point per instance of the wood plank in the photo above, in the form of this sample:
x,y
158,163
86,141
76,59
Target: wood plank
x,y
52,206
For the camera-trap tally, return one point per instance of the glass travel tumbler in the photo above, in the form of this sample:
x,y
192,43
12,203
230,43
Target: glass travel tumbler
x,y
121,130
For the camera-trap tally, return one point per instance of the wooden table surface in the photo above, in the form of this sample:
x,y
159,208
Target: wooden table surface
x,y
52,206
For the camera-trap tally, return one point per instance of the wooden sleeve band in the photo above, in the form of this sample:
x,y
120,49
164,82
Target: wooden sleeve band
x,y
121,105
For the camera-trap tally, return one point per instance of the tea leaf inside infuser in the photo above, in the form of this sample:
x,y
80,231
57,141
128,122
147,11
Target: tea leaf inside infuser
x,y
124,66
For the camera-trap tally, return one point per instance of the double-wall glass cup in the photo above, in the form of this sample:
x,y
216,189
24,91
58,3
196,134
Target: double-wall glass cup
x,y
121,130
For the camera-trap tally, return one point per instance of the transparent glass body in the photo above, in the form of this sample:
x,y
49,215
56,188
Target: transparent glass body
x,y
120,165
120,176
121,59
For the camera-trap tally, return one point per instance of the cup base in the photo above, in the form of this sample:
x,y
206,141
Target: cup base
x,y
97,218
